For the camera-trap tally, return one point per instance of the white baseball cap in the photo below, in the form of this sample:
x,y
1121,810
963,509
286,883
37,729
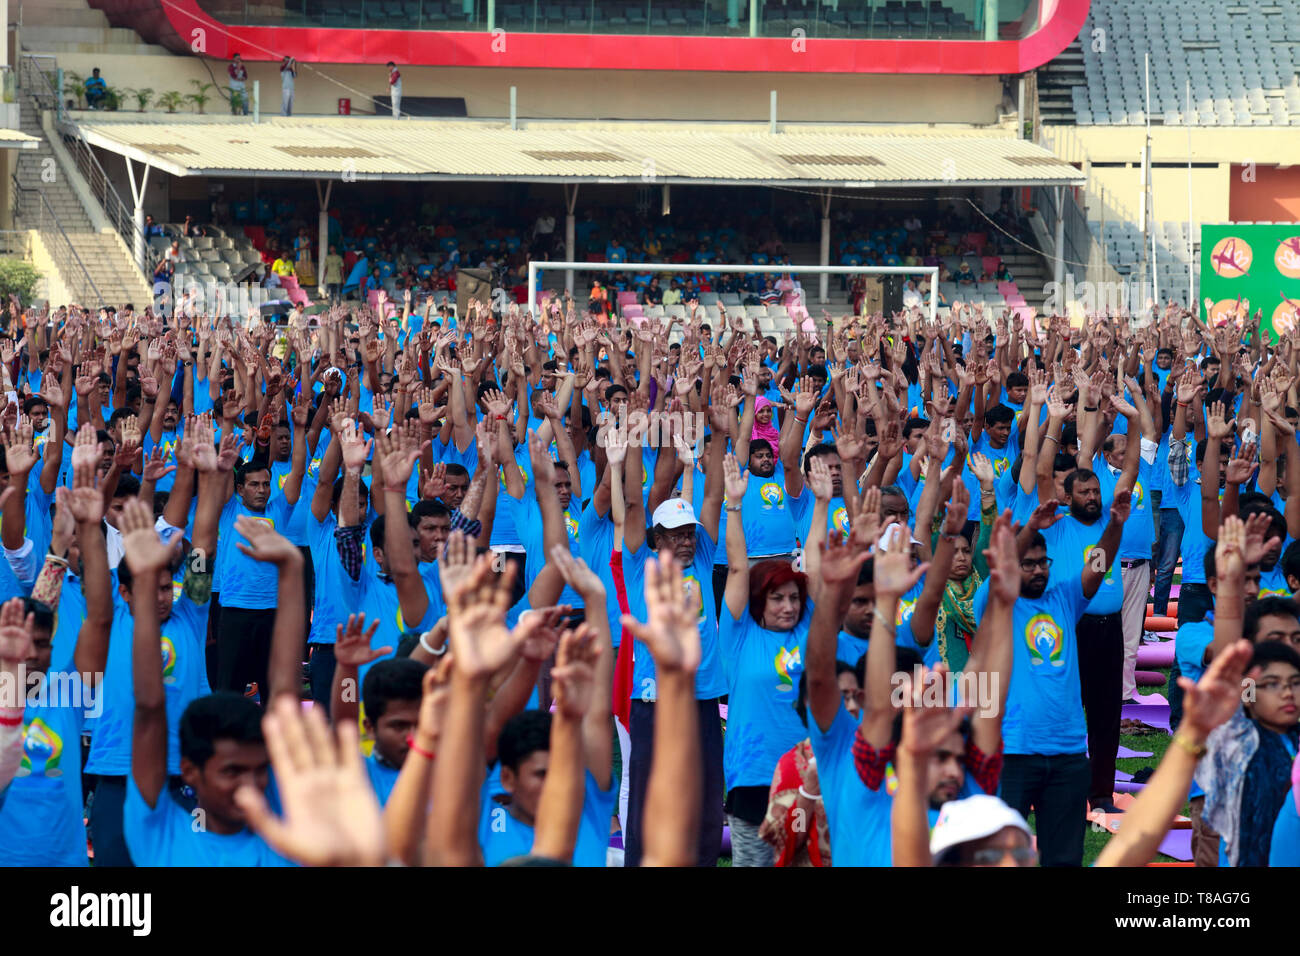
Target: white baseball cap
x,y
974,818
674,513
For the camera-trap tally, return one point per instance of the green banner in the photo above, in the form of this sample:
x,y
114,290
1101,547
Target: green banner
x,y
1249,268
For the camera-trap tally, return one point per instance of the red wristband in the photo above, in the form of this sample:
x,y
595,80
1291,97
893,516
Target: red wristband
x,y
411,744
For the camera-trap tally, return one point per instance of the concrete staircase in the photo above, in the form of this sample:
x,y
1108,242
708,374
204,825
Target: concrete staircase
x,y
1056,82
102,253
70,26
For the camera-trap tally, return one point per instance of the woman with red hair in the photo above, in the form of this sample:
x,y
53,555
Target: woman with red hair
x,y
762,635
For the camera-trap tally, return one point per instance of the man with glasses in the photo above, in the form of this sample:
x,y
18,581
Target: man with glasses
x,y
1047,769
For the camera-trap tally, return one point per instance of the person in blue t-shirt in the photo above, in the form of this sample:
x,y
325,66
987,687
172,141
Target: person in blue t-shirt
x,y
221,742
391,694
1047,769
856,760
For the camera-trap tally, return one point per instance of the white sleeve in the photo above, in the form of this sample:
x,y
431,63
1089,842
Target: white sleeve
x,y
23,563
1149,449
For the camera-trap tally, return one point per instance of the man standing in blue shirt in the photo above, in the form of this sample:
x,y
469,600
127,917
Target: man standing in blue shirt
x,y
1047,769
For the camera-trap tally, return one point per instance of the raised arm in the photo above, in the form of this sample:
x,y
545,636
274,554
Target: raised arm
x,y
736,594
399,451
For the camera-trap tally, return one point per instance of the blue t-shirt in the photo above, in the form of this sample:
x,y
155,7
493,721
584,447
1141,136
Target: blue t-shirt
x,y
375,596
1187,499
709,681
596,546
41,821
859,818
763,669
502,837
1190,645
185,678
1044,713
1284,850
1070,543
382,776
1139,533
1001,459
837,516
766,516
528,522
245,583
169,835
168,441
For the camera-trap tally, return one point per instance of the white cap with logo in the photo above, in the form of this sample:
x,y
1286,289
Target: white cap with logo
x,y
674,513
974,818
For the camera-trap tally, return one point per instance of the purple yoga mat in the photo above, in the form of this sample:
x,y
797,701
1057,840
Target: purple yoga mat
x,y
726,840
1178,844
1173,591
1156,655
1128,786
1125,754
1122,777
1154,715
1148,700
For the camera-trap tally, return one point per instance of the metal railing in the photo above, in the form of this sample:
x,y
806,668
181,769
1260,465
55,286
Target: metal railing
x,y
118,213
37,75
40,216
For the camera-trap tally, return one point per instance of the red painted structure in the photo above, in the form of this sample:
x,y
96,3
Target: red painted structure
x,y
172,23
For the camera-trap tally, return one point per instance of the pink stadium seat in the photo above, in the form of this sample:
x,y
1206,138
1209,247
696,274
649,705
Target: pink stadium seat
x,y
293,291
626,298
991,264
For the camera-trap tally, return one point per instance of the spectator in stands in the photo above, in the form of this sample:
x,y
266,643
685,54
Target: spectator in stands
x,y
911,295
192,228
654,295
673,294
964,275
288,73
544,226
395,89
332,274
238,74
96,90
151,228
614,252
283,266
769,295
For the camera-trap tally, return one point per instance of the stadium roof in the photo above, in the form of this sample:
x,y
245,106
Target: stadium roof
x,y
365,148
13,139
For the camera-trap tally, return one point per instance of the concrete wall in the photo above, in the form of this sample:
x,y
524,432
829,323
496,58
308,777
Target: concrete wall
x,y
1229,151
581,94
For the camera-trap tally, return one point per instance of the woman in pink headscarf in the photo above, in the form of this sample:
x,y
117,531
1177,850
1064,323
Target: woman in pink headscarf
x,y
763,427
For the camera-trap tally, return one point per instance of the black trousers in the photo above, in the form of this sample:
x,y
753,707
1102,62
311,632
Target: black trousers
x,y
641,733
1101,679
1194,602
244,649
1055,788
1101,669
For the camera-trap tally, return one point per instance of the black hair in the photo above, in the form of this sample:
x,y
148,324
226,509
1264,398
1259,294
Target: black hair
x,y
1064,461
42,614
397,678
817,371
841,667
1267,607
1274,652
524,734
1036,540
128,486
1291,560
758,443
426,508
914,425
1017,380
460,471
220,716
868,573
999,415
819,450
33,402
377,532
1078,475
246,468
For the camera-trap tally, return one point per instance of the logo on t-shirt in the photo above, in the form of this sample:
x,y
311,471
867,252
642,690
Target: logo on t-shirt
x,y
572,524
905,609
1046,640
788,666
1139,502
168,660
693,588
840,521
42,749
772,494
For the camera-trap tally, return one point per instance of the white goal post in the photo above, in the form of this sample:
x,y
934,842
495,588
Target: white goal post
x,y
535,268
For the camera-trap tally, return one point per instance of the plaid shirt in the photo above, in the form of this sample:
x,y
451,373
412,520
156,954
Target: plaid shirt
x,y
872,763
470,527
1180,465
349,543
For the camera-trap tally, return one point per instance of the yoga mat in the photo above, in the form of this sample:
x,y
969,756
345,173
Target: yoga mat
x,y
1149,678
1125,754
1150,699
726,840
1153,715
1171,609
1178,844
1156,655
1173,591
1120,775
1161,624
1128,786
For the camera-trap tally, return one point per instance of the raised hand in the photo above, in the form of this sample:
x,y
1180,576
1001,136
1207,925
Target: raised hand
x,y
925,725
841,560
819,479
354,448
575,671
982,469
1003,560
16,646
672,629
543,464
264,542
476,614
735,481
1254,546
156,466
143,551
894,575
1242,467
331,816
352,643
1217,424
954,517
20,453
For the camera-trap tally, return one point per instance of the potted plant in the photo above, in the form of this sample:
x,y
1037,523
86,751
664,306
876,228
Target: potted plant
x,y
75,84
113,99
142,97
171,100
202,93
236,99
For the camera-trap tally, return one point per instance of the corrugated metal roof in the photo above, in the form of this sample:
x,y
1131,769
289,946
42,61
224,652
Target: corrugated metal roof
x,y
372,148
16,139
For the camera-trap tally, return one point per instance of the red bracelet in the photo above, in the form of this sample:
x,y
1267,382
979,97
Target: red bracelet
x,y
411,744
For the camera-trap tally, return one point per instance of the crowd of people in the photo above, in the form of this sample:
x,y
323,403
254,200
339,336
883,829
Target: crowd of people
x,y
654,593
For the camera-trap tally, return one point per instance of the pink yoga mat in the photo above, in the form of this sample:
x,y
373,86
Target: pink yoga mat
x,y
1156,655
1149,678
